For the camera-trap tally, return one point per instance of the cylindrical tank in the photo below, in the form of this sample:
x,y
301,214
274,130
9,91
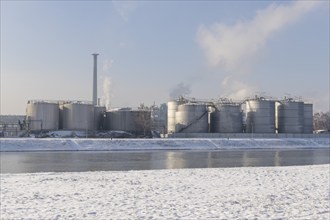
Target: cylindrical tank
x,y
290,117
99,112
78,116
192,118
134,121
260,116
277,104
308,118
227,119
42,115
172,107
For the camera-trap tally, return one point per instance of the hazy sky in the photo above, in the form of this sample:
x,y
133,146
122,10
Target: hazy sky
x,y
151,50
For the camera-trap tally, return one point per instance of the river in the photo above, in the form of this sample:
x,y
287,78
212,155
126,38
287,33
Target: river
x,y
79,161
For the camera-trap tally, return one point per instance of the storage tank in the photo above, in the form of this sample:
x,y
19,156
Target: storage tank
x,y
260,116
133,121
277,104
290,117
42,115
308,118
99,112
78,116
226,119
172,107
192,118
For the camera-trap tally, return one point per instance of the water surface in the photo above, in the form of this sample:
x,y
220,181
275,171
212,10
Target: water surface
x,y
75,161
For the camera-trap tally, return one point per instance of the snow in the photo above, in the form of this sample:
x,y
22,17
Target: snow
x,y
300,192
74,144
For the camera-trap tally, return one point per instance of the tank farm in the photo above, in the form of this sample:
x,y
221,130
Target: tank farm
x,y
257,115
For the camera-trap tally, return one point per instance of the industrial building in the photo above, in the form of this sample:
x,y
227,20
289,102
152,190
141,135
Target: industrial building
x,y
11,125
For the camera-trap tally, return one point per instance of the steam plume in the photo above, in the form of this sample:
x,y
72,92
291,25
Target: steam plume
x,y
232,47
125,8
106,84
180,90
235,48
236,89
106,87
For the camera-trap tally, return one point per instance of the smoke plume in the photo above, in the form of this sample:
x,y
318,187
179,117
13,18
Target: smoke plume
x,y
107,65
125,8
106,84
235,48
231,47
106,96
236,89
180,90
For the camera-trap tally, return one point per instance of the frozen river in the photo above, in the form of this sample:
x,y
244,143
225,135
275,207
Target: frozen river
x,y
80,161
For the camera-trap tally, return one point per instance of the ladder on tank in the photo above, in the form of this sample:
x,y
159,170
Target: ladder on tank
x,y
194,121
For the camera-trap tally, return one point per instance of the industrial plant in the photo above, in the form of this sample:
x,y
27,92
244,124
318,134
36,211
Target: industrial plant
x,y
257,115
83,116
87,116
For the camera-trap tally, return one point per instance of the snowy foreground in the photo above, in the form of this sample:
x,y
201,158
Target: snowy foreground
x,y
74,144
300,192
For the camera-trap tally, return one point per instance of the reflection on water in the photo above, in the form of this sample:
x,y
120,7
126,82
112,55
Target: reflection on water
x,y
70,161
277,159
174,160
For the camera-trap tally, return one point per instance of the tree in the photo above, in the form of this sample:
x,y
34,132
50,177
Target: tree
x,y
321,121
143,119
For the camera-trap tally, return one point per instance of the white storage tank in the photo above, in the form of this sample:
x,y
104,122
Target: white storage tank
x,y
192,118
290,117
260,116
172,107
308,118
78,116
42,115
226,119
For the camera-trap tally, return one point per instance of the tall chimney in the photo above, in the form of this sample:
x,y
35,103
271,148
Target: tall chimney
x,y
95,79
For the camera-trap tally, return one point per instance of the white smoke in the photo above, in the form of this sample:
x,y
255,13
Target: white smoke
x,y
233,47
125,8
107,84
180,90
106,88
107,65
236,89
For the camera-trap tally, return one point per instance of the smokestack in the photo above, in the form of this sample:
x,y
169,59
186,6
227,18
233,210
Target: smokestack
x,y
95,79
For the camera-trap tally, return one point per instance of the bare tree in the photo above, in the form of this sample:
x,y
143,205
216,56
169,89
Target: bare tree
x,y
321,121
143,119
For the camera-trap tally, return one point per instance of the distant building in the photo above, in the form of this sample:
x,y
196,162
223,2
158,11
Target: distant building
x,y
11,125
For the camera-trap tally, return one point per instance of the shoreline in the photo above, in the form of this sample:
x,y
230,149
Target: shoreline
x,y
83,144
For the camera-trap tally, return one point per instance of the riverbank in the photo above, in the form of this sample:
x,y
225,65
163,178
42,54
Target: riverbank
x,y
299,192
81,144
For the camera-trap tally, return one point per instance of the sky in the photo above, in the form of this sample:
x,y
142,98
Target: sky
x,y
153,51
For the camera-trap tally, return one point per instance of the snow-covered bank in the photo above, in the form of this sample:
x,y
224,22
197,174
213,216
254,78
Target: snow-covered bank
x,y
31,144
230,193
